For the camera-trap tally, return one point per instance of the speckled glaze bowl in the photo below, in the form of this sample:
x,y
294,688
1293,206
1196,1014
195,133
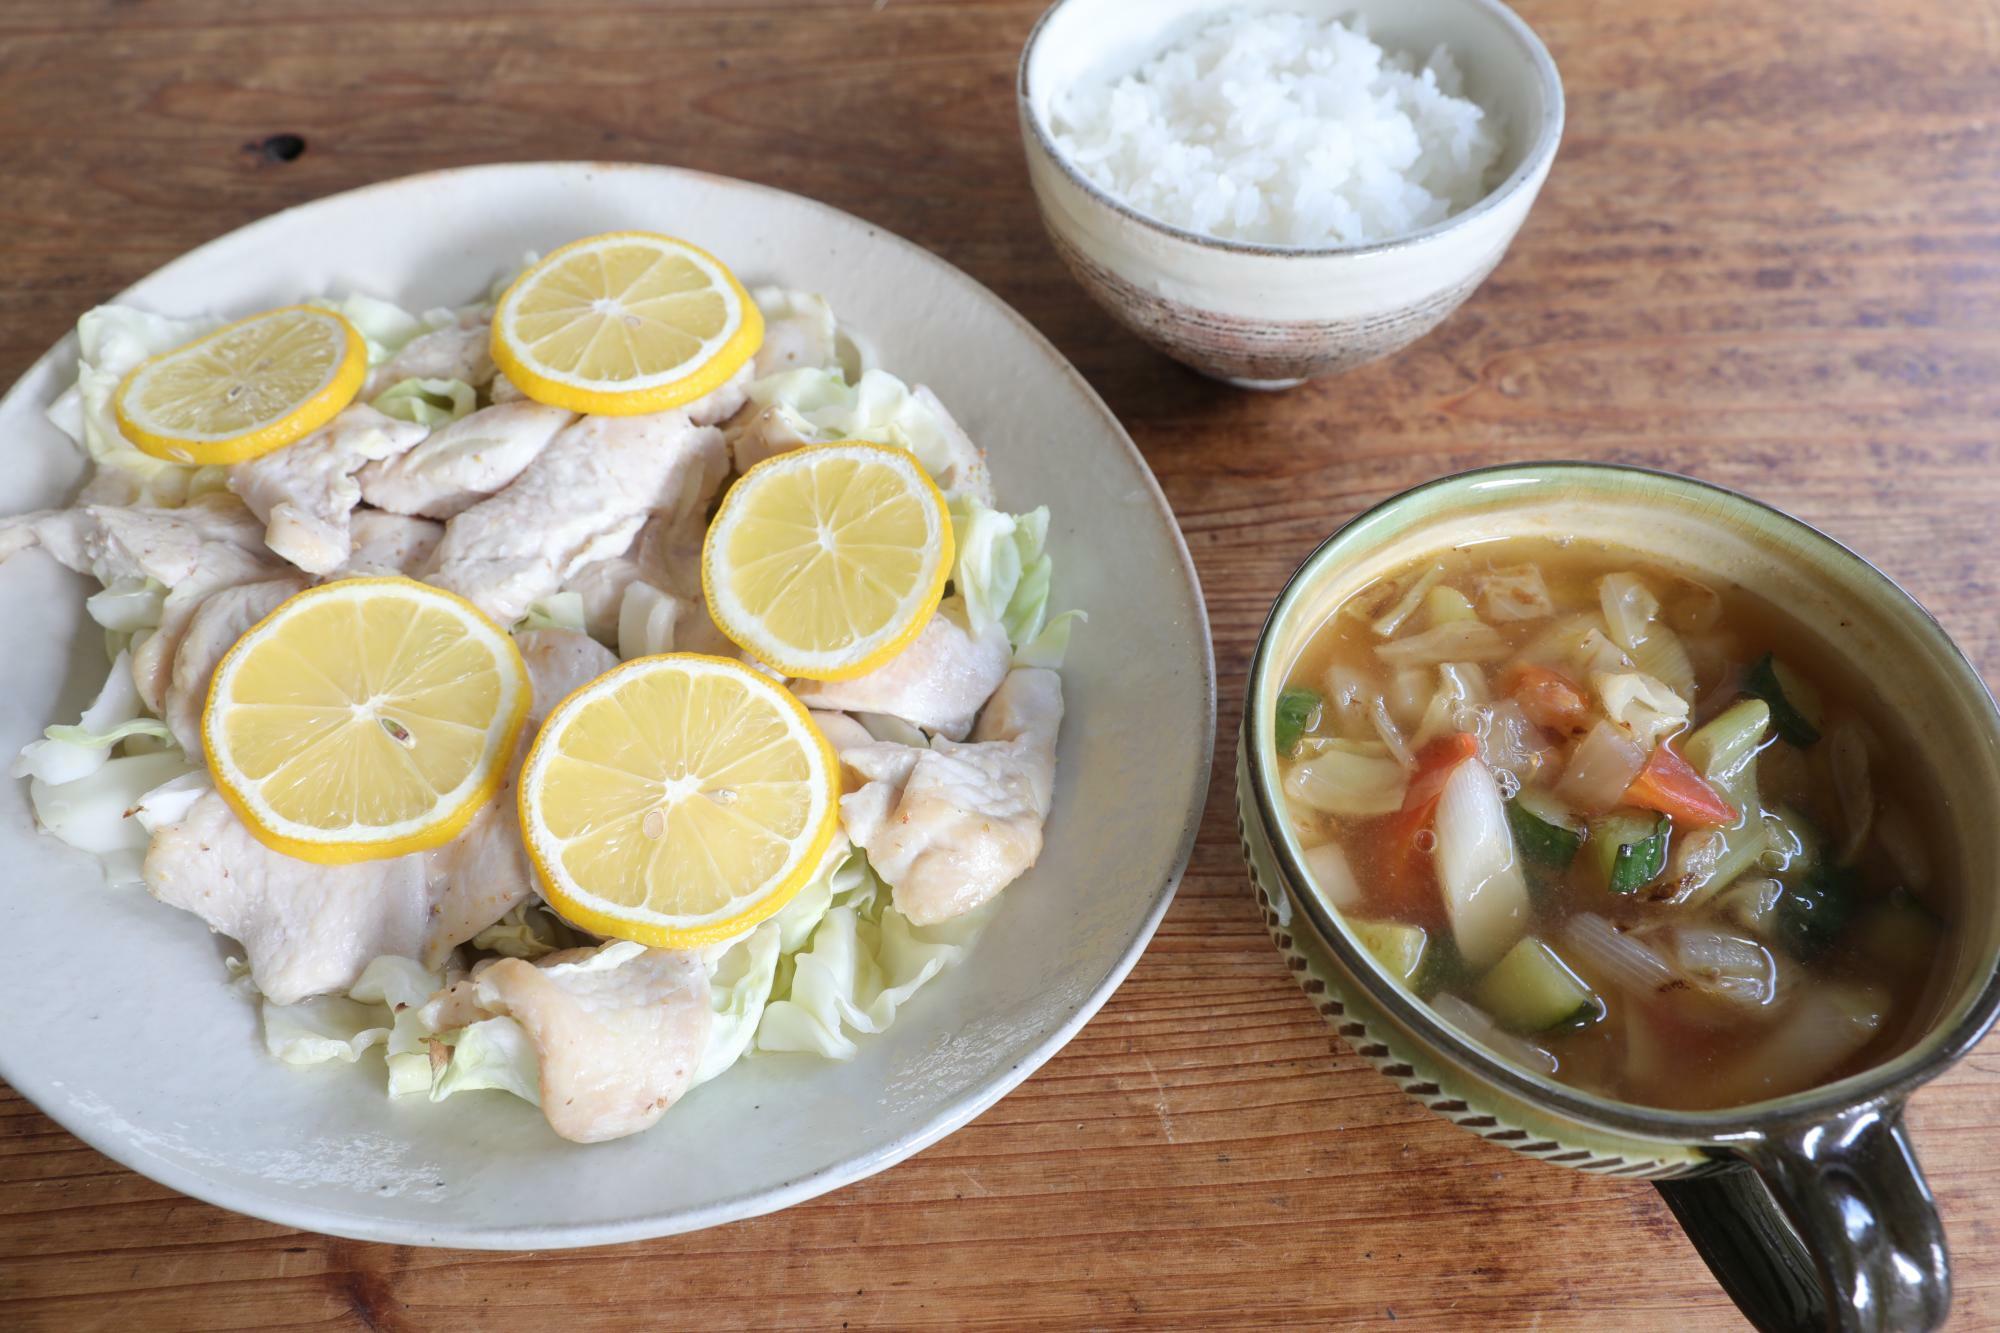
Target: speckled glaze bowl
x,y
1810,1209
1268,316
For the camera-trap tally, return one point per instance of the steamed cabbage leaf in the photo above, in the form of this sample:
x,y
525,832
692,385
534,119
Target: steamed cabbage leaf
x,y
69,753
1003,570
820,406
95,813
111,341
863,961
383,325
431,403
379,1010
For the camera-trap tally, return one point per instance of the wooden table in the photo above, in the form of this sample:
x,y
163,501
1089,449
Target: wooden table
x,y
1769,255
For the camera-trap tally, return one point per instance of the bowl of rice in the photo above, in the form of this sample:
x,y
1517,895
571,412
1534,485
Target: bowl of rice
x,y
1273,190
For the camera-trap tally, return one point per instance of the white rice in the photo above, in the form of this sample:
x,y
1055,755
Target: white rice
x,y
1285,129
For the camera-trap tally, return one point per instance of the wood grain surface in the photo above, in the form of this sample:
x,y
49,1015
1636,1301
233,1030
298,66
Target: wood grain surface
x,y
1769,255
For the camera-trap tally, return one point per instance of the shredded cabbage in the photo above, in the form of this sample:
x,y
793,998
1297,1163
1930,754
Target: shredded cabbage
x,y
1051,646
527,931
647,620
379,1010
1001,570
495,1054
558,610
863,961
128,605
383,325
739,987
431,403
93,813
112,340
70,753
820,406
169,802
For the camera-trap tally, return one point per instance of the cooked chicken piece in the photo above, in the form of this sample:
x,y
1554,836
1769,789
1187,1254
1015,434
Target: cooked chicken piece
x,y
390,544
618,1030
965,468
504,390
217,623
842,732
484,873
462,463
601,585
111,542
559,662
306,491
725,400
937,683
583,499
949,827
460,351
309,929
799,330
306,929
211,542
665,556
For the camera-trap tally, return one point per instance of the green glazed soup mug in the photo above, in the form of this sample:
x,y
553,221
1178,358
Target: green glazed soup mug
x,y
1810,1209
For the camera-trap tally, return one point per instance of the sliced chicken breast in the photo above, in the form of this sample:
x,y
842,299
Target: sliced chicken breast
x,y
464,462
217,623
583,499
949,827
387,543
937,683
459,351
618,1030
306,491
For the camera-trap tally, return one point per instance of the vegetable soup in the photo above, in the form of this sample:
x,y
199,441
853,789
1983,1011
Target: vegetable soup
x,y
1628,829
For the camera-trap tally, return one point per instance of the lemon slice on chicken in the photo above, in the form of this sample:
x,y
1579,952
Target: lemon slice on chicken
x,y
678,801
624,323
827,561
365,719
257,385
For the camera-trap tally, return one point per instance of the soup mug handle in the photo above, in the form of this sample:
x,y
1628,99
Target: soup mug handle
x,y
1831,1226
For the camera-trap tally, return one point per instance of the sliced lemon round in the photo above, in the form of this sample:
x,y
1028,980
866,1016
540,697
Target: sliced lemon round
x,y
624,323
827,561
364,719
257,385
678,801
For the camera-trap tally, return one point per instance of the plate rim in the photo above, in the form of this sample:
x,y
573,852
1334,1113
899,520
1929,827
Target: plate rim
x,y
952,1116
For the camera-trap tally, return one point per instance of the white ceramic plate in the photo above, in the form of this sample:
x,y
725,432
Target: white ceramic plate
x,y
116,1018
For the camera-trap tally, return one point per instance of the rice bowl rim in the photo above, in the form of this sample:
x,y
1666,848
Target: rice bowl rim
x,y
1532,163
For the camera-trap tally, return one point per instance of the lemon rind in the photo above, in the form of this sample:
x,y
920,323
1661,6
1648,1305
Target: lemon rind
x,y
340,388
614,924
589,397
776,655
321,846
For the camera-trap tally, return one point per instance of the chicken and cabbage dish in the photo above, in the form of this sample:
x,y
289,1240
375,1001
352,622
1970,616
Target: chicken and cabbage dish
x,y
571,693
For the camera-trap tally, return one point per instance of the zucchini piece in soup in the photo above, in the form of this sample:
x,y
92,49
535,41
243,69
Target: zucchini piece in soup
x,y
1628,849
1795,710
1298,713
1399,948
1485,891
1548,832
1531,989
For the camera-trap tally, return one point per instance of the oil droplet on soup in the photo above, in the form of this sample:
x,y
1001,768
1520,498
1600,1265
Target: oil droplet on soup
x,y
1621,826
